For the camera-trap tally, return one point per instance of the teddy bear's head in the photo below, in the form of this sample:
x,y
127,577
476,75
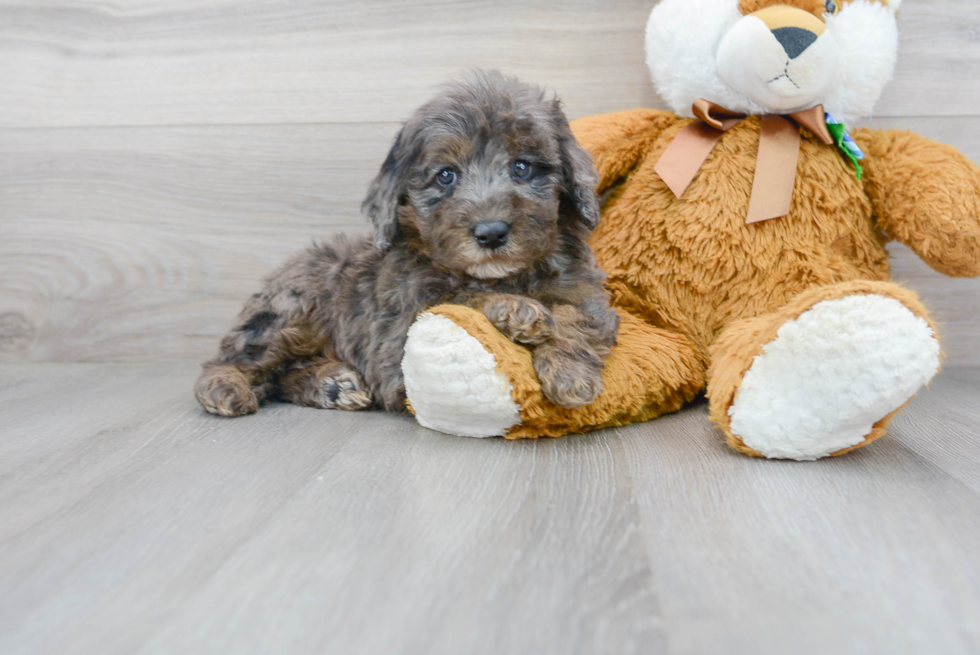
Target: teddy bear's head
x,y
773,56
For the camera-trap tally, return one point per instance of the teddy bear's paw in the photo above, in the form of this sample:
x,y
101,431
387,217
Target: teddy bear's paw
x,y
569,377
452,381
830,374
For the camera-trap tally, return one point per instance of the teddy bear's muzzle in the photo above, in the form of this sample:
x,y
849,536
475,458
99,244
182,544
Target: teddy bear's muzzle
x,y
780,57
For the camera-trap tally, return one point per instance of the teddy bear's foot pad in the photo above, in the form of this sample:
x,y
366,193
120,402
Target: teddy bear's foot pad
x,y
452,381
832,373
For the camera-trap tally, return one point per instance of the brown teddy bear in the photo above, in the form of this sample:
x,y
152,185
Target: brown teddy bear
x,y
744,239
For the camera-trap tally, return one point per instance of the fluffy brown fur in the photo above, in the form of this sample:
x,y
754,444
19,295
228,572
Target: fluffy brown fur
x,y
712,290
486,200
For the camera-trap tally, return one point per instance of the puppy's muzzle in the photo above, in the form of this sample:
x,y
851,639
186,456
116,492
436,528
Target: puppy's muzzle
x,y
491,235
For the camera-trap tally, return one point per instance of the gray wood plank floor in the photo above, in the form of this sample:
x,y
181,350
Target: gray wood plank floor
x,y
132,522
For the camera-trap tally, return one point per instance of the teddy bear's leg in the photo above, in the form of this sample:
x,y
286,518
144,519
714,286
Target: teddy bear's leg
x,y
823,375
462,376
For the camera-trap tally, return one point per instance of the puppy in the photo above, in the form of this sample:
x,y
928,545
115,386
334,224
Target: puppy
x,y
485,199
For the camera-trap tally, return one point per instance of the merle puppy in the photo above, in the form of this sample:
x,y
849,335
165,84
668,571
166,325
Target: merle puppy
x,y
485,199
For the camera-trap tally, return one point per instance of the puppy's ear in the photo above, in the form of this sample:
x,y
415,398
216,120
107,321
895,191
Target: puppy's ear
x,y
387,190
580,175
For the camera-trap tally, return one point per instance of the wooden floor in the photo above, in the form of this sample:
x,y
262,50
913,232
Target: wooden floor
x,y
130,521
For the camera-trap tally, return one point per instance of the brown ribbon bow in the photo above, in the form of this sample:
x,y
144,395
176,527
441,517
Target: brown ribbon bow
x,y
775,168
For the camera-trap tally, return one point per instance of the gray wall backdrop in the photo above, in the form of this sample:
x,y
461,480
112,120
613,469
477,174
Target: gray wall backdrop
x,y
157,159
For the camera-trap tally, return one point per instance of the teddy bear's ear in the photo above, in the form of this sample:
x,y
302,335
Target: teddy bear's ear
x,y
578,172
389,187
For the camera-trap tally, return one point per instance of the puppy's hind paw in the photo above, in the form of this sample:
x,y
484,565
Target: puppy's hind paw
x,y
568,379
343,388
224,390
332,385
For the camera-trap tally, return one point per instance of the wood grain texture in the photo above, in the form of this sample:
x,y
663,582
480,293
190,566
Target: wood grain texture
x,y
141,244
787,557
303,61
94,62
130,521
300,531
948,442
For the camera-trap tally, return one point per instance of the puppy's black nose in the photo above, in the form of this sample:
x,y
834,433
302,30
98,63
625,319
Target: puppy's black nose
x,y
794,40
491,235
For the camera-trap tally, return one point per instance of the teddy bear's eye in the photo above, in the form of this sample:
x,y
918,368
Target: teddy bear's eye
x,y
831,7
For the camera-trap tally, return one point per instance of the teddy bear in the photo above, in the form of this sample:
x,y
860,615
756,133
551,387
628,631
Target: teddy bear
x,y
743,234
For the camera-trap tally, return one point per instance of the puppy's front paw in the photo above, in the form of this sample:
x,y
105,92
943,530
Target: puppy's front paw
x,y
522,320
569,378
225,391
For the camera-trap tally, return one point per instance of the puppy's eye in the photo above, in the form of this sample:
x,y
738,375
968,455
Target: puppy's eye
x,y
521,169
446,177
831,7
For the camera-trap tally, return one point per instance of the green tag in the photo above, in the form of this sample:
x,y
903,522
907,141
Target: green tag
x,y
846,145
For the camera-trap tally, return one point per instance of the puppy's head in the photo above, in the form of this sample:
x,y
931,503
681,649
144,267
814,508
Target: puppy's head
x,y
484,179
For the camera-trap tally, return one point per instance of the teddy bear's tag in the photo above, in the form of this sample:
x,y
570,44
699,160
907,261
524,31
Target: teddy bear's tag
x,y
844,141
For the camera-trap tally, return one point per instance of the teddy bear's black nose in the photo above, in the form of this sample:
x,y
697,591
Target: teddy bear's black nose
x,y
794,40
491,235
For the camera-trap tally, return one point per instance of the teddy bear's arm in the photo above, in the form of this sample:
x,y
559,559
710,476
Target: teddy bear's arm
x,y
926,195
620,140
